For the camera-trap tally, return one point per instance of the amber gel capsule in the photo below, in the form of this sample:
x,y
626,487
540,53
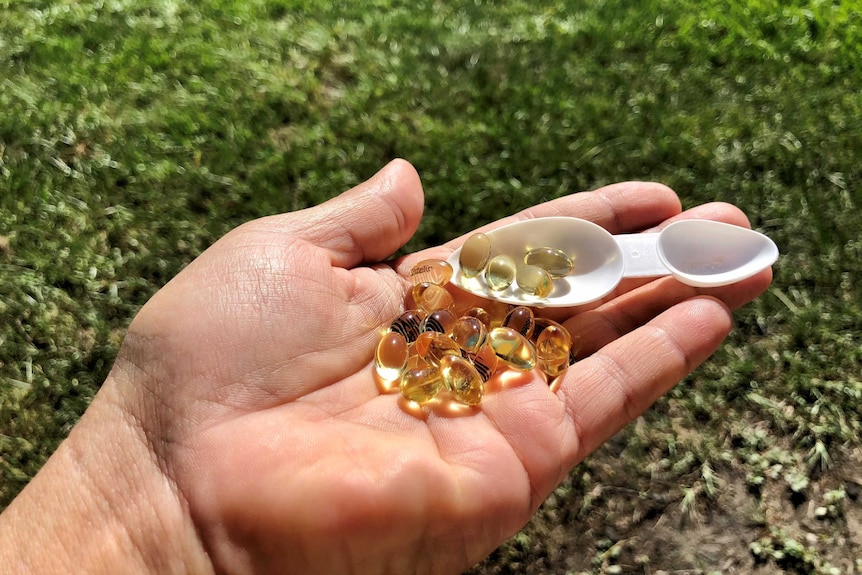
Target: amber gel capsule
x,y
484,360
534,281
469,333
500,272
479,313
552,260
421,384
539,325
462,379
474,255
390,359
512,348
436,272
521,319
552,350
429,297
432,346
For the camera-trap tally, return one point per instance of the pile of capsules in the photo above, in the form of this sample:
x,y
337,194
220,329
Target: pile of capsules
x,y
432,347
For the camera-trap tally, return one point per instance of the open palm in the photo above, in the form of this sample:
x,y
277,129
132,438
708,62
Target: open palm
x,y
257,395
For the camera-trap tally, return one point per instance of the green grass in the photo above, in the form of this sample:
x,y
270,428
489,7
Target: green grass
x,y
133,134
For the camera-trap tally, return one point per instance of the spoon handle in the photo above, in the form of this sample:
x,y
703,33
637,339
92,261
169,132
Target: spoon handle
x,y
640,255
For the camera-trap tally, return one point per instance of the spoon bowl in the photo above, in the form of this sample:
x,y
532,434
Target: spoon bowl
x,y
597,259
700,253
704,253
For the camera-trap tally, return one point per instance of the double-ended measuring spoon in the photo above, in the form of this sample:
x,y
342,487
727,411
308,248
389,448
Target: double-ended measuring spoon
x,y
700,253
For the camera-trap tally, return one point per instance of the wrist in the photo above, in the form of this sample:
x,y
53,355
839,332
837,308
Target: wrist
x,y
101,504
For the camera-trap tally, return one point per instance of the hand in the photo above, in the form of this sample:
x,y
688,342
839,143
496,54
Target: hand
x,y
242,431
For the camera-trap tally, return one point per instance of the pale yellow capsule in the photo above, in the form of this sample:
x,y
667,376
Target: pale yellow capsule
x,y
512,348
469,333
431,271
391,356
429,297
521,319
432,346
500,272
474,255
421,384
555,262
535,281
462,380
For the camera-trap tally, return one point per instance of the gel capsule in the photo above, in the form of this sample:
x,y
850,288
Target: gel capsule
x,y
469,333
391,356
500,272
462,379
421,384
553,347
535,281
540,323
429,297
440,320
521,319
512,348
436,272
479,313
485,361
474,255
555,262
408,324
433,346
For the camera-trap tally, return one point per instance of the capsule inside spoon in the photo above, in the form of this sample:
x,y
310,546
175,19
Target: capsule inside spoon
x,y
700,253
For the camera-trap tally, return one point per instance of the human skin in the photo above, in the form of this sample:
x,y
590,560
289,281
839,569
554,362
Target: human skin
x,y
241,429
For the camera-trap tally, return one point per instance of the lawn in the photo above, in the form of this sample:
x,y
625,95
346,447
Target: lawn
x,y
134,133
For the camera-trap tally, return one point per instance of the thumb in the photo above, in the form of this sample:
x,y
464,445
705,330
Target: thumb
x,y
367,223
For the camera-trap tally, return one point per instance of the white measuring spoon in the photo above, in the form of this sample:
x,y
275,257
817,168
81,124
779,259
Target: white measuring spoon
x,y
700,253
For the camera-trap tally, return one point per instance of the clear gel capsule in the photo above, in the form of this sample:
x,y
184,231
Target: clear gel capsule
x,y
436,272
474,255
521,319
469,333
500,272
553,261
429,297
421,384
408,324
534,281
512,348
390,358
440,320
433,346
461,378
